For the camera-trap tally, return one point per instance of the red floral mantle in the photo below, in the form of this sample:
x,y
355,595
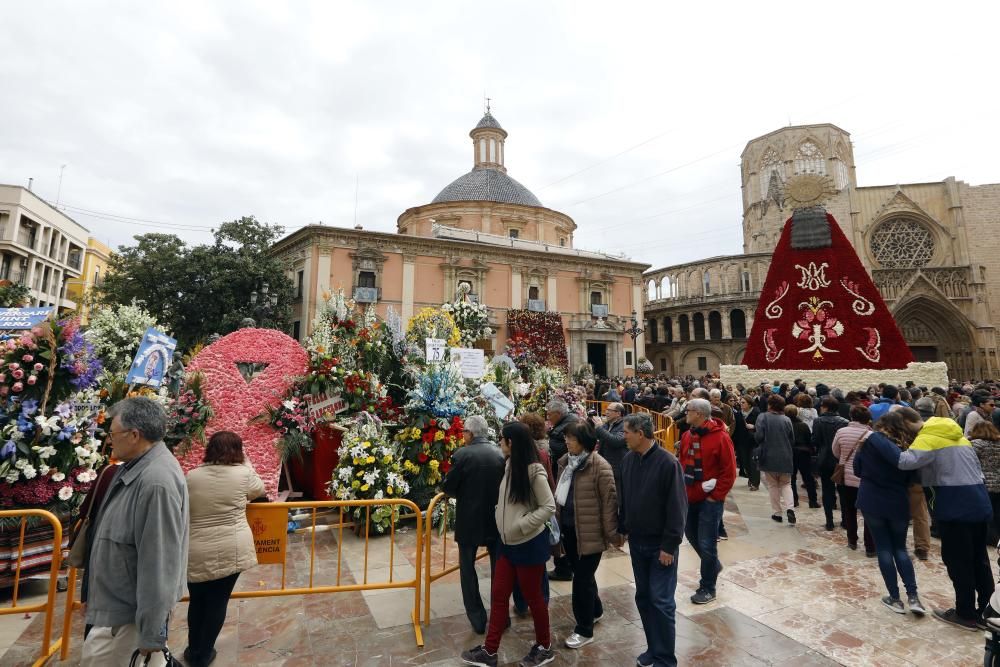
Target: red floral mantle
x,y
820,309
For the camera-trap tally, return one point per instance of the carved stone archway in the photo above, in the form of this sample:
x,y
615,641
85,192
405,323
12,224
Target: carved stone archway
x,y
937,331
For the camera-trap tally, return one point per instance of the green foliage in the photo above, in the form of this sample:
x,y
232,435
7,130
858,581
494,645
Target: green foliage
x,y
196,291
13,295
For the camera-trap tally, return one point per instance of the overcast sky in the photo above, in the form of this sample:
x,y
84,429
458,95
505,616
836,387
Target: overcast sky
x,y
629,118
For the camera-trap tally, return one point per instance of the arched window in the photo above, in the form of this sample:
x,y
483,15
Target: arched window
x,y
673,288
685,329
493,150
699,326
706,280
654,335
738,323
482,150
651,290
809,159
714,325
745,281
772,169
668,329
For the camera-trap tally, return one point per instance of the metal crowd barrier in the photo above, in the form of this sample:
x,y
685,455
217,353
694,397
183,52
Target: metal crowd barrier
x,y
664,429
342,506
48,607
430,575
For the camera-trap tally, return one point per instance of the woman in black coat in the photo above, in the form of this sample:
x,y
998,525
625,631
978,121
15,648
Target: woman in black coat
x,y
746,414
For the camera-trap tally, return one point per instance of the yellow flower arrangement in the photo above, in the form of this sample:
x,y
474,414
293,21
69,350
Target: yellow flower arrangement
x,y
432,323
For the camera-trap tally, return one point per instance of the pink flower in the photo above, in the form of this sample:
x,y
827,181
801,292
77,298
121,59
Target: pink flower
x,y
37,331
27,358
4,390
13,365
32,379
3,377
18,374
38,367
18,387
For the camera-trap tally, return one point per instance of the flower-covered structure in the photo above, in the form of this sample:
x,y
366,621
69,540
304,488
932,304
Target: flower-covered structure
x,y
188,414
432,323
116,332
369,469
276,359
51,418
536,339
472,320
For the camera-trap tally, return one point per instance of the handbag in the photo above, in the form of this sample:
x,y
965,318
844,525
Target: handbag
x,y
78,543
138,661
555,536
837,476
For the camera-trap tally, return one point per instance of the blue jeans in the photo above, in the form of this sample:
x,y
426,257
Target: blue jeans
x,y
702,531
890,545
655,585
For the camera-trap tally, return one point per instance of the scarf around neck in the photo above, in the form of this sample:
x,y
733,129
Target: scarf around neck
x,y
566,477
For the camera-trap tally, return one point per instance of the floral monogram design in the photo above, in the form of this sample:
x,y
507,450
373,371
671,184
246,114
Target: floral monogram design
x,y
816,325
813,277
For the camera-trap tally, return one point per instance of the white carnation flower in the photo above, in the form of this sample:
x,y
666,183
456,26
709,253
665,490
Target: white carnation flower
x,y
29,472
58,476
66,493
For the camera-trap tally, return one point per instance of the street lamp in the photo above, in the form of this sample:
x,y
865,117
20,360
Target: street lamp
x,y
634,331
268,301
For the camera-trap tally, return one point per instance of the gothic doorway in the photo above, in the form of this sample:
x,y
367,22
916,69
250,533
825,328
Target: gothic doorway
x,y
937,331
597,357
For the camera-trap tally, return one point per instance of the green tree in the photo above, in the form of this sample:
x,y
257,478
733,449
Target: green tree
x,y
199,290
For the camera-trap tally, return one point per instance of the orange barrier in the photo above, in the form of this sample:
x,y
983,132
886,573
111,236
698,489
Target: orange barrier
x,y
664,429
342,505
48,607
430,576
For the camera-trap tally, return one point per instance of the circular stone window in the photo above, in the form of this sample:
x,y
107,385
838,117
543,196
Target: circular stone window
x,y
902,243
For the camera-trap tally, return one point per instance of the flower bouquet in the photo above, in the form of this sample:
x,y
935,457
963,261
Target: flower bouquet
x,y
116,333
369,469
432,323
188,415
427,447
472,320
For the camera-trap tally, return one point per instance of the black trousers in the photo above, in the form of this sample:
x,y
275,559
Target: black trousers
x,y
744,453
829,497
802,465
849,515
586,600
474,608
994,534
207,615
963,550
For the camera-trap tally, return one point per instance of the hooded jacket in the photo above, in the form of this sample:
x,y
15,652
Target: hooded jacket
x,y
823,432
949,465
712,459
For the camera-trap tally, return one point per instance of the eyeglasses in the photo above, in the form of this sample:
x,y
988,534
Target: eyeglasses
x,y
113,433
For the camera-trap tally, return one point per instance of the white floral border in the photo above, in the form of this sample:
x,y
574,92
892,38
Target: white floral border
x,y
925,374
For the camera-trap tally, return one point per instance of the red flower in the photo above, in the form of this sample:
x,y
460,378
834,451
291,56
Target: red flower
x,y
422,457
446,466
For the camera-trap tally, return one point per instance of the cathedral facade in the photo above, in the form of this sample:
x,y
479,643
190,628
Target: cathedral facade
x,y
932,250
489,234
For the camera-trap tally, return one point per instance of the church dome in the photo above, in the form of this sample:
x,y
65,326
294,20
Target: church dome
x,y
487,184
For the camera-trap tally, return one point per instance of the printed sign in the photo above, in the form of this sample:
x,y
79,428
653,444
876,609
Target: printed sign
x,y
269,526
23,318
435,350
502,405
153,359
322,403
471,360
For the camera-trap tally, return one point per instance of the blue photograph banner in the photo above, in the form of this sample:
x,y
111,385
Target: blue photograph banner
x,y
156,352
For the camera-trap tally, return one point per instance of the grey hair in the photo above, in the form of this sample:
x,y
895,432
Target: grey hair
x,y
557,405
700,405
640,422
617,407
837,393
142,414
715,393
700,392
477,426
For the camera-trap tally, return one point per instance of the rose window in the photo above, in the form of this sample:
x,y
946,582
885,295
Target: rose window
x,y
902,243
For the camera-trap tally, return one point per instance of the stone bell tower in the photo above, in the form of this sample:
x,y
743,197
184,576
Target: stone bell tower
x,y
769,161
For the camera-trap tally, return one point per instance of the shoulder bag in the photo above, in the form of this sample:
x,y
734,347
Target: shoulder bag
x,y
139,661
78,544
837,476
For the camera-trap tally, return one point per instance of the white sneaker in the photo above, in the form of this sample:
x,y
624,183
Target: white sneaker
x,y
577,641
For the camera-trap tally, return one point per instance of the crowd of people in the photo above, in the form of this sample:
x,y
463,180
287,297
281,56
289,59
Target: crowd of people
x,y
569,487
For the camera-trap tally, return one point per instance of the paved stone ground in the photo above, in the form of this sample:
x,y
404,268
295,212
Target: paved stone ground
x,y
788,596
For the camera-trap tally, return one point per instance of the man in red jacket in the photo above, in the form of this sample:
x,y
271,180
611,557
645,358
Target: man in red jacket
x,y
709,465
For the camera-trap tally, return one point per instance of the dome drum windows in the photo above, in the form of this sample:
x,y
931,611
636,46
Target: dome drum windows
x,y
809,159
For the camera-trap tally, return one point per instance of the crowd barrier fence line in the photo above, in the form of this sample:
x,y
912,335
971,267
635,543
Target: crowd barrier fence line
x,y
664,429
311,589
48,607
430,576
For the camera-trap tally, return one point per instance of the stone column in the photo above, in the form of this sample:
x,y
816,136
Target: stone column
x,y
409,277
727,329
515,287
691,327
323,264
676,329
551,294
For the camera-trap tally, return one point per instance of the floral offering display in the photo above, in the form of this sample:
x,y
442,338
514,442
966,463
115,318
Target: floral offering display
x,y
369,469
542,334
188,415
116,332
432,323
237,401
439,392
645,366
292,420
471,318
52,417
427,447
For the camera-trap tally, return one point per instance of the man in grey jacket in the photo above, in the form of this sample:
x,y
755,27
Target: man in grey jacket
x,y
611,436
138,560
